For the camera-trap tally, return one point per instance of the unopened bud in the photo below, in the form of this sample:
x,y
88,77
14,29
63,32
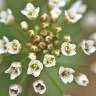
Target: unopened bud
x,y
49,39
43,33
44,17
24,25
31,33
42,45
36,39
67,39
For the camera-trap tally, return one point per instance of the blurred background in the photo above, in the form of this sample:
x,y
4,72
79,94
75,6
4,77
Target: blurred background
x,y
81,63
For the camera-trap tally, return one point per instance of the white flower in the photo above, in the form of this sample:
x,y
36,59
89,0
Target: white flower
x,y
24,25
14,70
32,56
57,3
4,45
82,80
93,37
30,11
68,49
6,17
75,12
35,67
88,46
66,74
55,13
49,60
14,47
39,87
15,90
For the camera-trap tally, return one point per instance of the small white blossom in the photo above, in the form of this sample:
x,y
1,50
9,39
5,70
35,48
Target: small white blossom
x,y
35,67
6,17
75,12
82,80
39,87
57,3
14,47
49,60
4,45
32,56
15,90
24,25
88,46
30,11
68,49
14,70
55,13
66,74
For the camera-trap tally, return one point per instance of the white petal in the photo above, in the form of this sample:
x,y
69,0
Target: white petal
x,y
29,7
8,70
13,76
24,12
55,13
32,56
61,69
36,73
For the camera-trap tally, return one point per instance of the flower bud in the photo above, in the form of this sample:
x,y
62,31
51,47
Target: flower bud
x,y
42,45
43,33
67,39
48,39
31,33
24,25
44,17
36,39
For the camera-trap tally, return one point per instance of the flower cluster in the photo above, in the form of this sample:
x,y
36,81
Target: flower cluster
x,y
44,39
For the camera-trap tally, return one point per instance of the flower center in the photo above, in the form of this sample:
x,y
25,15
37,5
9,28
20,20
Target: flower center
x,y
4,45
68,49
84,82
14,91
35,67
50,60
39,86
30,13
14,70
71,15
14,46
65,73
86,47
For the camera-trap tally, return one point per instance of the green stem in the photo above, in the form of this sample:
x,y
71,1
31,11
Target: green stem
x,y
53,81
